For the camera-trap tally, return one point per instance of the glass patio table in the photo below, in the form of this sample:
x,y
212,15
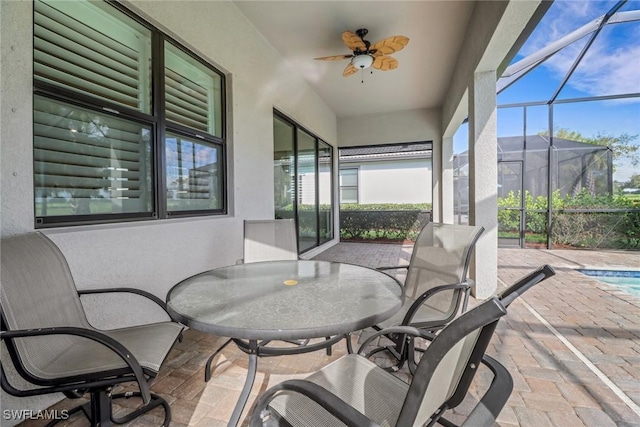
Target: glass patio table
x,y
283,300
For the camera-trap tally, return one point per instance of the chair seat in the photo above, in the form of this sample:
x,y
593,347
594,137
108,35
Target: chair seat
x,y
372,391
149,344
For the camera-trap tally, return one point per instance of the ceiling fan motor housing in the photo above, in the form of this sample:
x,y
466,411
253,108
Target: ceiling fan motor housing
x,y
361,33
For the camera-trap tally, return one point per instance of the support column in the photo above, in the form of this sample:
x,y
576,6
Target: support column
x,y
483,178
446,181
436,182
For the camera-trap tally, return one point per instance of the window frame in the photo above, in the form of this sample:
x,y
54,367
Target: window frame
x,y
158,124
352,187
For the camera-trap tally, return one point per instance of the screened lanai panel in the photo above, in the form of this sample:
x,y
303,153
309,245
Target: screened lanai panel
x,y
610,66
583,171
536,181
461,175
89,163
538,120
510,122
509,179
540,83
72,50
615,127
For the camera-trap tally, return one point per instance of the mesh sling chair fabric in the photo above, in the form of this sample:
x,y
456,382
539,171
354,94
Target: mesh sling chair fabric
x,y
53,346
354,391
270,240
436,283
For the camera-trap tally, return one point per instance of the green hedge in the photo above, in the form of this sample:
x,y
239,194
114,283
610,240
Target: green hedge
x,y
385,207
590,228
395,222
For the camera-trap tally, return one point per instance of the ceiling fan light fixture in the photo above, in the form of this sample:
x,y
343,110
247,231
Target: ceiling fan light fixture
x,y
362,62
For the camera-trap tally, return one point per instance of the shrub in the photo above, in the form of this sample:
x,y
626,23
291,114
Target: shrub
x,y
382,221
582,220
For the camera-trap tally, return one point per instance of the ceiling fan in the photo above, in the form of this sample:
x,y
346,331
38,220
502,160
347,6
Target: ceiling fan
x,y
367,55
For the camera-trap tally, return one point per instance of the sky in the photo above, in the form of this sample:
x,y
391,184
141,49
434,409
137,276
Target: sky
x,y
611,67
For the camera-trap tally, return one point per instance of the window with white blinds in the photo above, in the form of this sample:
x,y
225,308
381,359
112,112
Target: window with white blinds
x,y
87,163
192,92
104,148
94,49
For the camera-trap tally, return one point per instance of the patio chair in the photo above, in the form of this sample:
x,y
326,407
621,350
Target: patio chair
x,y
356,392
436,285
270,240
52,345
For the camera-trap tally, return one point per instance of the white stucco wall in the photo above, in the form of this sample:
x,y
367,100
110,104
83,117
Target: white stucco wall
x,y
395,127
402,181
154,255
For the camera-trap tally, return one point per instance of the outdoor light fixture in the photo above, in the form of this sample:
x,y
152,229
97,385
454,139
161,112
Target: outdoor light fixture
x,y
362,61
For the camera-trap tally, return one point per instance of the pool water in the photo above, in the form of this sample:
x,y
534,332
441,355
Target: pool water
x,y
628,281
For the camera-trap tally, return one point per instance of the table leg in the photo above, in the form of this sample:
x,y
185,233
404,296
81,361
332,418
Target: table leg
x,y
207,368
349,346
248,384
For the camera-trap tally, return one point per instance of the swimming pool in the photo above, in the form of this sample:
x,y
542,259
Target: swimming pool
x,y
628,281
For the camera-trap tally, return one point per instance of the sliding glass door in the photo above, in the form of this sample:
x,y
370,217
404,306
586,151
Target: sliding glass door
x,y
307,198
303,174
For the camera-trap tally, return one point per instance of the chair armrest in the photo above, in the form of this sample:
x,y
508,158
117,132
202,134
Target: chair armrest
x,y
140,292
421,299
337,407
396,267
488,408
103,339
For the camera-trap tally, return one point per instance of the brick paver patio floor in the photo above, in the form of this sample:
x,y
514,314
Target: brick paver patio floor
x,y
572,345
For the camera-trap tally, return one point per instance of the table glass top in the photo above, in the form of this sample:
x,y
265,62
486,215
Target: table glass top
x,y
285,299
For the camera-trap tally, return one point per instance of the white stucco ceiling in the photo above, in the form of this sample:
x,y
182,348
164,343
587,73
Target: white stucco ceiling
x,y
303,30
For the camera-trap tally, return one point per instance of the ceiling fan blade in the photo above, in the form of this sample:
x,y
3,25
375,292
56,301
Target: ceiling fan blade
x,y
353,41
390,44
333,58
349,70
385,63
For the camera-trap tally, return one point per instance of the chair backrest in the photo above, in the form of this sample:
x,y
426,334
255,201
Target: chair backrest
x,y
38,291
449,364
270,240
440,256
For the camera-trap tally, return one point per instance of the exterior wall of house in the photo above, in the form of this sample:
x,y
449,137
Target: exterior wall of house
x,y
155,255
396,127
393,181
